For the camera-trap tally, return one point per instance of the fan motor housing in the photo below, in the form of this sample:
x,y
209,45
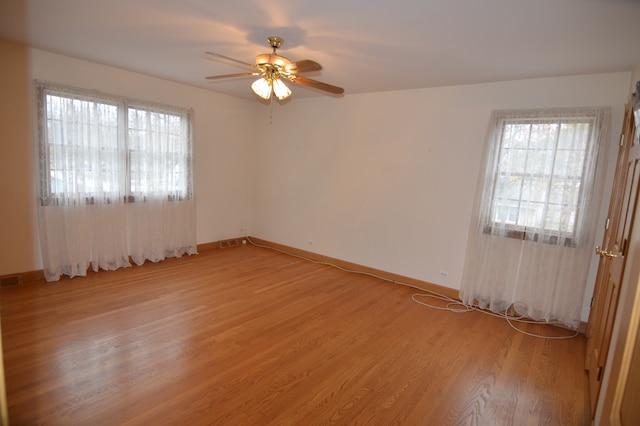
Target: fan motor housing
x,y
269,58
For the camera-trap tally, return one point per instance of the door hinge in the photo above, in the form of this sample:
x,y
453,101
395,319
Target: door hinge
x,y
593,302
622,139
607,223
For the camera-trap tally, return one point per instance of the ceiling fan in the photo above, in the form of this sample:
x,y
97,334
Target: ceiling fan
x,y
273,69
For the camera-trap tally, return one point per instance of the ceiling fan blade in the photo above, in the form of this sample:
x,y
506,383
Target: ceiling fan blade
x,y
242,74
237,62
306,65
318,85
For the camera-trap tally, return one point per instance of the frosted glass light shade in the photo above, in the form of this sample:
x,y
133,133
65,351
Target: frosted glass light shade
x,y
262,88
281,90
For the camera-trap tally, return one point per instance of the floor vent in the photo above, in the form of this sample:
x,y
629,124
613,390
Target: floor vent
x,y
229,243
10,280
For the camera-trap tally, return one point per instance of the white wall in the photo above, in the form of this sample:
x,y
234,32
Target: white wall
x,y
387,180
17,235
222,138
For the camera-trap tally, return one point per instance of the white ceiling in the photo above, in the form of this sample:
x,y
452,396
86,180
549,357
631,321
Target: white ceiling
x,y
363,45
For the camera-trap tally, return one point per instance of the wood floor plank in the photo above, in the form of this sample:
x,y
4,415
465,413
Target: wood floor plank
x,y
247,335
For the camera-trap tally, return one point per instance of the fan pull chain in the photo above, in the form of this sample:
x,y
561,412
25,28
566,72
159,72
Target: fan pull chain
x,y
271,110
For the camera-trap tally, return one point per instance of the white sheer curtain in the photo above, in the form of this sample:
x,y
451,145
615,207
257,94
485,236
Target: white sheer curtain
x,y
162,217
531,240
114,181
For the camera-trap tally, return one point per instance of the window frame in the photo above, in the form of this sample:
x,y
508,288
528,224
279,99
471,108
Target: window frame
x,y
527,232
123,145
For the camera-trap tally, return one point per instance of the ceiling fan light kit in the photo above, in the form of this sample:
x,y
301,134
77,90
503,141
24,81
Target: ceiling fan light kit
x,y
273,69
263,87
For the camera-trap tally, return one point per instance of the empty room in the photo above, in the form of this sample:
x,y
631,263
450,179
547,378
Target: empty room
x,y
310,213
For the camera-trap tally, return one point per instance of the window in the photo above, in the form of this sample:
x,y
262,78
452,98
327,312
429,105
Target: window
x,y
96,148
540,165
536,210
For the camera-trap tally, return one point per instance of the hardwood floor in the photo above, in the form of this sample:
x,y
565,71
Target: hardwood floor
x,y
247,335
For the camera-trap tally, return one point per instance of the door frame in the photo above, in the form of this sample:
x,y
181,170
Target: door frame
x,y
624,335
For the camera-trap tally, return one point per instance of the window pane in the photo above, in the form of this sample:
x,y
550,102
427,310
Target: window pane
x,y
513,160
508,188
516,135
530,214
539,162
574,136
535,189
543,136
506,212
